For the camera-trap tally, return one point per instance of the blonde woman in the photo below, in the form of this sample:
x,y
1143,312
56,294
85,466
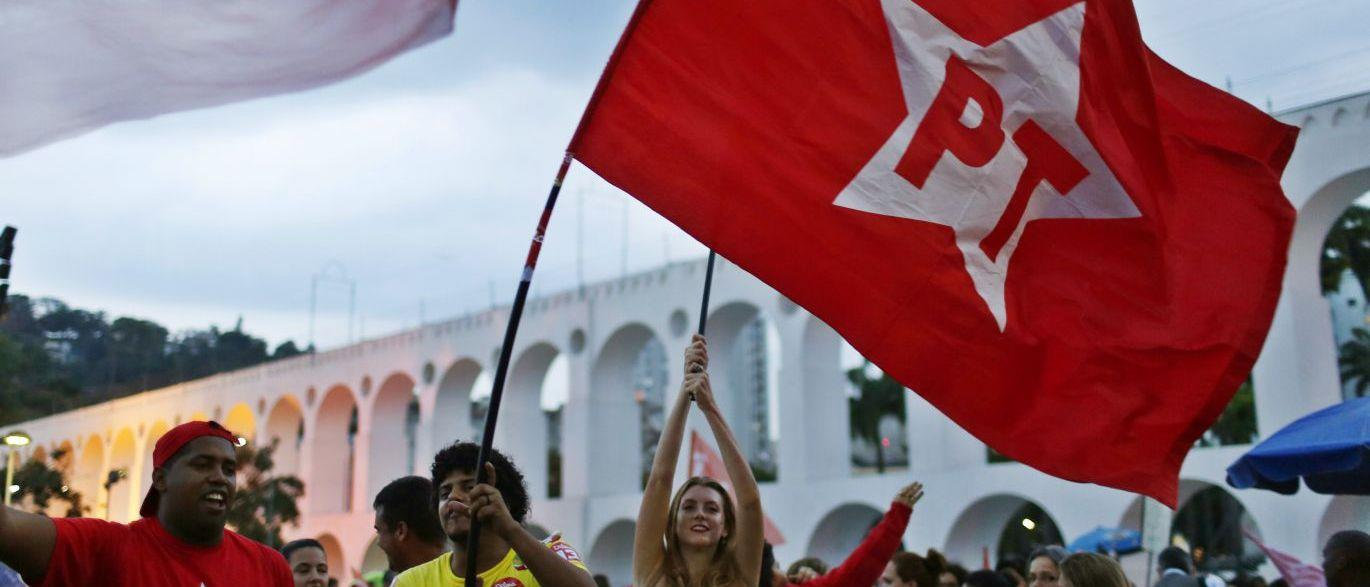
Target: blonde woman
x,y
1088,569
700,537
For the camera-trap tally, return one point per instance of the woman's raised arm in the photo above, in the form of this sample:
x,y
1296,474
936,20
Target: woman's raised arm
x,y
648,546
750,531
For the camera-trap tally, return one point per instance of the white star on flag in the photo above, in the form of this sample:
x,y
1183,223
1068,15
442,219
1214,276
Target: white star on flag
x,y
1031,83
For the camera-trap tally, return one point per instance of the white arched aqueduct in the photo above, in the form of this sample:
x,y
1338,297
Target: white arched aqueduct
x,y
349,420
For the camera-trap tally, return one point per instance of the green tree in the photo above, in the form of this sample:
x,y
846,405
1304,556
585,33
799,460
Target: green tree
x,y
879,397
264,502
1354,360
1237,423
1347,247
43,484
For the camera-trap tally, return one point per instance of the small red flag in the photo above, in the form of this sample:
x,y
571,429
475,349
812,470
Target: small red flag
x,y
1065,244
704,462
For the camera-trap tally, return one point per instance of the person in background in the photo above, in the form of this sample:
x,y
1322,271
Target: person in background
x,y
308,562
1044,566
1090,569
1346,559
701,536
1012,567
180,539
809,568
865,565
987,578
953,576
407,528
1176,568
507,553
907,569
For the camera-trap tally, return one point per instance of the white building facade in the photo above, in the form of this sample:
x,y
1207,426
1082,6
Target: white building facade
x,y
349,420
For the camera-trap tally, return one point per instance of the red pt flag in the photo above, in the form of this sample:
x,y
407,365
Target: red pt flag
x,y
1065,244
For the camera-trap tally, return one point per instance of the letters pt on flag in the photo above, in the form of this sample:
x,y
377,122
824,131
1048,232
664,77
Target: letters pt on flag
x,y
1066,245
70,67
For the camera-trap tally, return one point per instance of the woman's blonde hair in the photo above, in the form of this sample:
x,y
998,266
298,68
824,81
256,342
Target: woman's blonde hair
x,y
724,571
1088,569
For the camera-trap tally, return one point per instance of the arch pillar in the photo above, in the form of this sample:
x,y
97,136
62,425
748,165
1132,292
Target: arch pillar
x,y
424,447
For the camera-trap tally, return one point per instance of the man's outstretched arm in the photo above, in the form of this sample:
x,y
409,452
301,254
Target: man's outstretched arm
x,y
26,542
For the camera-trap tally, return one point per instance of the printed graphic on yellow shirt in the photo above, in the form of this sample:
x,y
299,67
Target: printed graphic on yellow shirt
x,y
510,572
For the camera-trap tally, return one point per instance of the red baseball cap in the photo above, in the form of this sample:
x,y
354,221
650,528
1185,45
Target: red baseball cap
x,y
171,443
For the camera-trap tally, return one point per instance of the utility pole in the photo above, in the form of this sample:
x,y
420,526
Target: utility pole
x,y
332,273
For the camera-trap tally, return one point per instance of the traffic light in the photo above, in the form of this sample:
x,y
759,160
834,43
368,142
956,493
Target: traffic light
x,y
6,251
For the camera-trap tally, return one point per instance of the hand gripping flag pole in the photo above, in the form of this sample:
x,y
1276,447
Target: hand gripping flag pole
x,y
704,305
497,393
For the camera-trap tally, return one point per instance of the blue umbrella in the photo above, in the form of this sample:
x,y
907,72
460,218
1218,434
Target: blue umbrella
x,y
1329,449
1103,539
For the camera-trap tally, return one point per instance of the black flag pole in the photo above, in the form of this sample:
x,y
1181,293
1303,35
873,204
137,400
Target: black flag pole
x,y
497,392
708,285
6,251
704,305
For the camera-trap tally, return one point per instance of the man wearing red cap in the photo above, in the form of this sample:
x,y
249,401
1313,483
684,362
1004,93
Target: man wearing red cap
x,y
179,541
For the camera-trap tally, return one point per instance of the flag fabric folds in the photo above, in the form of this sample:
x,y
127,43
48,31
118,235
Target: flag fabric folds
x,y
70,67
1065,244
1296,572
704,462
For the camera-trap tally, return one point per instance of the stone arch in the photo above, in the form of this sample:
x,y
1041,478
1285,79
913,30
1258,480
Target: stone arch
x,y
241,421
154,432
373,558
1315,220
336,557
1000,524
119,502
331,470
285,428
841,530
90,466
64,458
1213,518
452,409
827,437
621,406
611,554
744,371
392,433
527,441
1344,512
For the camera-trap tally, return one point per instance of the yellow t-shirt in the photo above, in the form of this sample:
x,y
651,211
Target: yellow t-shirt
x,y
510,572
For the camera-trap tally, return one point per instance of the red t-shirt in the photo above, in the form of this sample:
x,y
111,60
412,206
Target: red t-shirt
x,y
96,552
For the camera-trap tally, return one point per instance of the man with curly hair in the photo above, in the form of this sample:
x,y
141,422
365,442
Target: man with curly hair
x,y
508,555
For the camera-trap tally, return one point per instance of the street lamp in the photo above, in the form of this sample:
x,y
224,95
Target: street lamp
x,y
12,440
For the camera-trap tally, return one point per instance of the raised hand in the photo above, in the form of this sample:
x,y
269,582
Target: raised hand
x,y
487,505
910,494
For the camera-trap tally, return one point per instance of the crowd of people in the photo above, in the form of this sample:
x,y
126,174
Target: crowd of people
x,y
701,534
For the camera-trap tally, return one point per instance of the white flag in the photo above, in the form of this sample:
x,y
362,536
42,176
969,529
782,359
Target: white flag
x,y
71,66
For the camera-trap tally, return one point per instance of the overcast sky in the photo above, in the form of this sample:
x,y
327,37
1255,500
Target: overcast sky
x,y
423,179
